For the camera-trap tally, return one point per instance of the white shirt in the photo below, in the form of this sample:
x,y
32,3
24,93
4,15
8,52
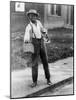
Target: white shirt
x,y
37,30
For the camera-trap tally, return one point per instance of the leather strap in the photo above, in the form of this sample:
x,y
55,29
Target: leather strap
x,y
33,31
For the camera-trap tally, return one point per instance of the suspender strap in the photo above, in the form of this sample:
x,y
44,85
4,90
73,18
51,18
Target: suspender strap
x,y
33,31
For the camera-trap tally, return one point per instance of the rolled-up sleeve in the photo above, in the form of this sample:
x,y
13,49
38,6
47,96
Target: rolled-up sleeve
x,y
42,28
27,33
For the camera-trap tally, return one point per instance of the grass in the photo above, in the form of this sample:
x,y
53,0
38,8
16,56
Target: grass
x,y
61,46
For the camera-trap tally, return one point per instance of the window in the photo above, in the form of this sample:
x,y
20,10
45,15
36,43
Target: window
x,y
58,10
54,9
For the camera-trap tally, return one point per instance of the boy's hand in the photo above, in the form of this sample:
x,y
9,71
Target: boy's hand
x,y
26,41
44,31
46,39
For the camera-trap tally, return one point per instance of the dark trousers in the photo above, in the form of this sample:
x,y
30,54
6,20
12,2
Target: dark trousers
x,y
39,50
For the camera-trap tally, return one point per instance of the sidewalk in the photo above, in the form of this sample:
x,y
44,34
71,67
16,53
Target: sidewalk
x,y
21,79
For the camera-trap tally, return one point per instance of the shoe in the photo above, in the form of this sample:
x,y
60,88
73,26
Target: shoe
x,y
49,82
34,84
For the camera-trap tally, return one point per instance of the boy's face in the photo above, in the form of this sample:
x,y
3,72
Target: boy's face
x,y
32,17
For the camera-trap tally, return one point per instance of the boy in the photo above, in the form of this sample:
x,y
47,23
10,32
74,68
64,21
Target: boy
x,y
35,31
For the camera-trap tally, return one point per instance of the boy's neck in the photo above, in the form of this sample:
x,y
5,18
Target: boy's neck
x,y
34,21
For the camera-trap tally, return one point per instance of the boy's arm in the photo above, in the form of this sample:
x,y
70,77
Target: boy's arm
x,y
44,32
27,34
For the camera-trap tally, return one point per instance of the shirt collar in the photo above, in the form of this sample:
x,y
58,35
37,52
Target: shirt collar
x,y
32,23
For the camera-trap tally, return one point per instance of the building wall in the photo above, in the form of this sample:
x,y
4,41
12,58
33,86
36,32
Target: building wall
x,y
19,20
63,20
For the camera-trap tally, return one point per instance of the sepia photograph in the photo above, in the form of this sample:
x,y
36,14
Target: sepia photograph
x,y
41,49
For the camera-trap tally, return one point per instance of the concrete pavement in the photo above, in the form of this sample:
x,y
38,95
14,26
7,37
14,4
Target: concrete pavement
x,y
63,89
21,79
